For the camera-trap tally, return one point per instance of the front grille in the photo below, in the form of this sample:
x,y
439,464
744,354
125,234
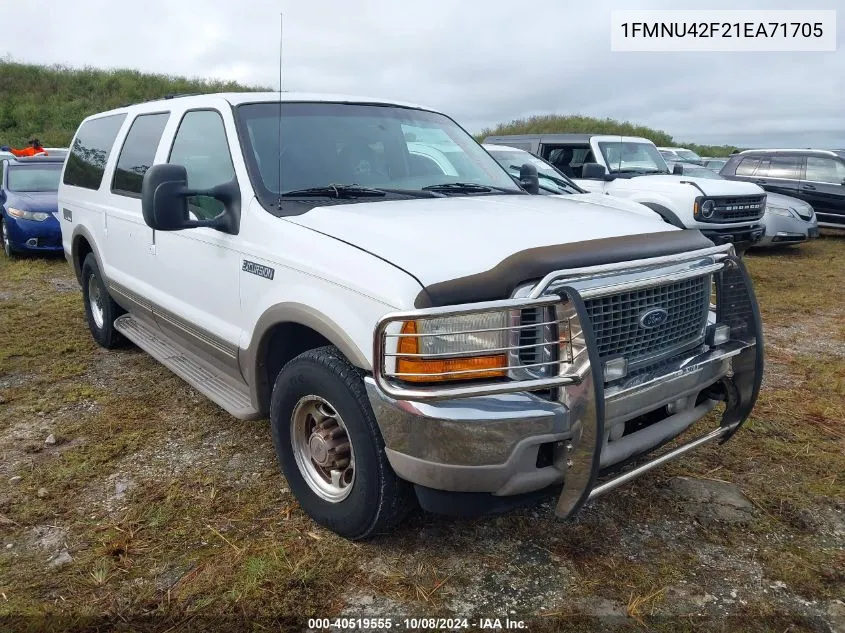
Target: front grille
x,y
530,339
618,332
739,208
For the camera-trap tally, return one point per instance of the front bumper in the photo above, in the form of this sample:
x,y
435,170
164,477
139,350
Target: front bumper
x,y
741,237
29,235
788,230
514,443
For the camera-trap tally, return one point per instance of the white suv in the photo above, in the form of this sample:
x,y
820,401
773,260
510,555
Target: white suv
x,y
632,167
413,331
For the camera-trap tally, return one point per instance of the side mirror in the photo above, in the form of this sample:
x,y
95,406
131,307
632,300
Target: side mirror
x,y
677,169
529,179
594,171
164,201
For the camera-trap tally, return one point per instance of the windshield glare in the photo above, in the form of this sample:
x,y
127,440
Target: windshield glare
x,y
385,147
34,179
633,157
550,178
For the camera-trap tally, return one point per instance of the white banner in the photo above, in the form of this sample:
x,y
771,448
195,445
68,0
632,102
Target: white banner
x,y
728,30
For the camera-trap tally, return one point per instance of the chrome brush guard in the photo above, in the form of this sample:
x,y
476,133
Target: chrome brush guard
x,y
577,372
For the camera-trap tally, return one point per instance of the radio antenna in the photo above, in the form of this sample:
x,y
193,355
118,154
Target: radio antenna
x,y
281,38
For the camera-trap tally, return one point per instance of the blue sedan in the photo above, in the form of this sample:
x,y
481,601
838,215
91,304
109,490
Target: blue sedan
x,y
29,206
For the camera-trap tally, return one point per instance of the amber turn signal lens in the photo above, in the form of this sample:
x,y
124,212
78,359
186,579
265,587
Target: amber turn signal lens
x,y
433,370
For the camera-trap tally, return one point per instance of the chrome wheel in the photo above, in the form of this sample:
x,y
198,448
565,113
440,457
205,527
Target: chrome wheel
x,y
95,302
322,448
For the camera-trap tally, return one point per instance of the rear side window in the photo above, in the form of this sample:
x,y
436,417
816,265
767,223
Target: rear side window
x,y
821,169
747,166
87,160
139,150
779,167
202,147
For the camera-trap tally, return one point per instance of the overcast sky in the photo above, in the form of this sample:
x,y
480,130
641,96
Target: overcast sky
x,y
482,62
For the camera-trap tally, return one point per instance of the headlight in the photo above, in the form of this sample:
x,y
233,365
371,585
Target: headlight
x,y
454,348
804,212
38,216
515,344
787,213
708,208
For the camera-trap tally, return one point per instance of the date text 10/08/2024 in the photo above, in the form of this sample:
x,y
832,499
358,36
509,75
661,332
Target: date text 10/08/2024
x,y
416,624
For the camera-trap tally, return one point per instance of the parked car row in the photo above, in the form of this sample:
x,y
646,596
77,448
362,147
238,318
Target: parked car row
x,y
419,324
633,168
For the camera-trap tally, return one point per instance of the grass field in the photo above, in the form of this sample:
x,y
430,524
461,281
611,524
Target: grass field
x,y
152,508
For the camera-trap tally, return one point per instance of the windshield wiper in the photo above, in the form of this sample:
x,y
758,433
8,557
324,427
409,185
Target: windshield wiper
x,y
638,171
336,191
469,187
458,187
357,191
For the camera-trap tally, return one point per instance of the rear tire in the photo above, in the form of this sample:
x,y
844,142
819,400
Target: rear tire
x,y
330,448
100,309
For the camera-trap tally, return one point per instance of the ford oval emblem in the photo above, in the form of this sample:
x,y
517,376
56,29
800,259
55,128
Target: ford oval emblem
x,y
653,318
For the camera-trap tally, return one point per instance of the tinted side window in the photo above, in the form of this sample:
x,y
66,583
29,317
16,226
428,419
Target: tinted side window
x,y
823,169
87,160
780,167
747,166
139,150
201,146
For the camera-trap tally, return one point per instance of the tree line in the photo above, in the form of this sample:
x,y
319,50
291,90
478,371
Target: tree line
x,y
49,102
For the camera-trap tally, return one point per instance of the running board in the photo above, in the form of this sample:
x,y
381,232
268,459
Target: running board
x,y
202,376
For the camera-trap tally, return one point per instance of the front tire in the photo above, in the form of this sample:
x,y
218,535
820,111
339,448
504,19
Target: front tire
x,y
4,236
330,448
100,309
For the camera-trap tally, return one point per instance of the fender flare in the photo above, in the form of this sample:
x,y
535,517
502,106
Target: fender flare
x,y
251,359
80,231
665,213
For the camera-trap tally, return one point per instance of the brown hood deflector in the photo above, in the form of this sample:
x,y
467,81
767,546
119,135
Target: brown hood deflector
x,y
500,281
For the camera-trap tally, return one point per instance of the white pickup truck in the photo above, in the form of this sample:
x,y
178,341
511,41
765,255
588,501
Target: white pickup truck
x,y
414,333
631,167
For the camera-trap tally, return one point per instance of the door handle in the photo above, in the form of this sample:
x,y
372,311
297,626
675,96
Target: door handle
x,y
760,181
808,187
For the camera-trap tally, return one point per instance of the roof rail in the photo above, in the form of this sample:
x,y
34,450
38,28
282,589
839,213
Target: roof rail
x,y
176,95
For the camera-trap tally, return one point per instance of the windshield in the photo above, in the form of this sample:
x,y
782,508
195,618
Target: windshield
x,y
34,179
701,172
550,178
632,157
687,154
391,148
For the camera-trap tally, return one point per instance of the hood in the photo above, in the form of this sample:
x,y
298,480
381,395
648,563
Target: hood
x,y
46,201
614,203
445,238
710,186
803,209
